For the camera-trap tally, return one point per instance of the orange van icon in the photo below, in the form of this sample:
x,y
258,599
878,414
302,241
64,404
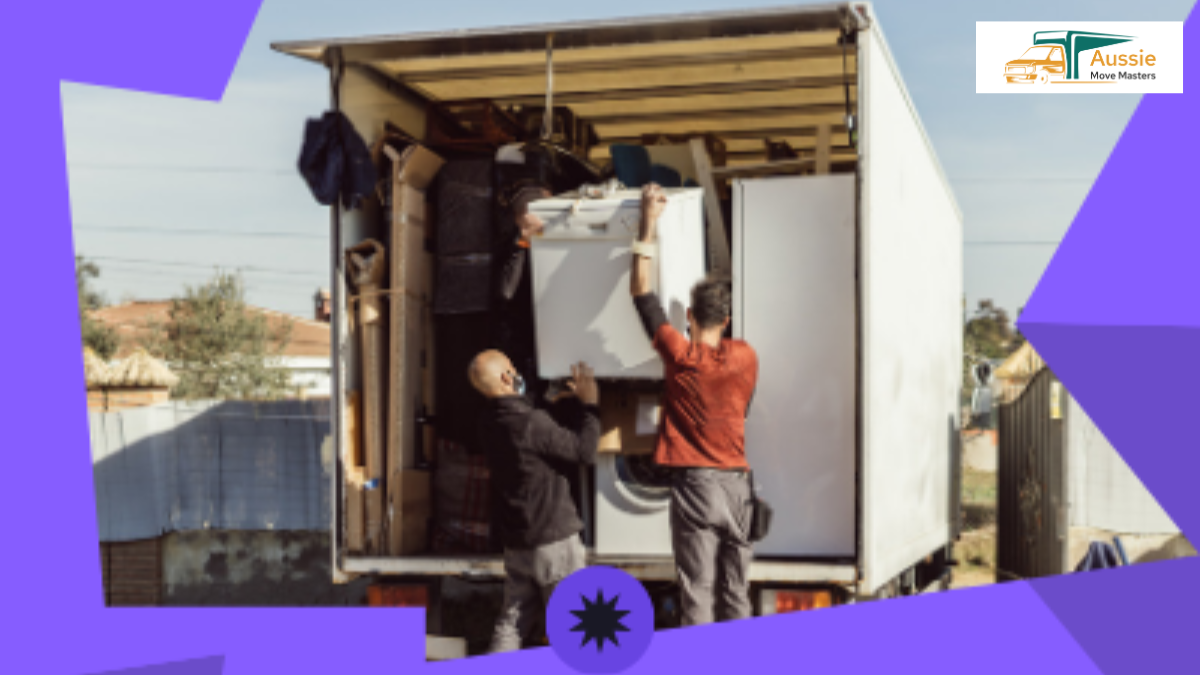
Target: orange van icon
x,y
1040,63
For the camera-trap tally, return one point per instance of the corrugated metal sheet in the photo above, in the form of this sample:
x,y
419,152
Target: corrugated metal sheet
x,y
1105,492
211,465
1032,484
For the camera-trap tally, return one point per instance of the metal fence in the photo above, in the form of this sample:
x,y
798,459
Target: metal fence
x,y
1032,491
211,465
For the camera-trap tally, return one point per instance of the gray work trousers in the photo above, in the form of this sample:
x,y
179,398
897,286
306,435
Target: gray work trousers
x,y
710,521
532,575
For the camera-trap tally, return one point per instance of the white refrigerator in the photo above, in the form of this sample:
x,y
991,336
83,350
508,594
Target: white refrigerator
x,y
794,303
581,265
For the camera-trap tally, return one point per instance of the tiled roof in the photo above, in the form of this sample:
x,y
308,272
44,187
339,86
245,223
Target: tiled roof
x,y
131,320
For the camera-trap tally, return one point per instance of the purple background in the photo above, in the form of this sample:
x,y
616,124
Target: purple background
x,y
1117,315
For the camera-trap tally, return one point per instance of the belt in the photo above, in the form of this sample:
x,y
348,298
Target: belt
x,y
713,469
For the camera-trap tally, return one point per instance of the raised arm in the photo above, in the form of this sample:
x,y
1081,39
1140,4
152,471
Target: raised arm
x,y
654,200
644,249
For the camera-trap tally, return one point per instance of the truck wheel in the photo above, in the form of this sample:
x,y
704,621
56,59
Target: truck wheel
x,y
1043,78
947,580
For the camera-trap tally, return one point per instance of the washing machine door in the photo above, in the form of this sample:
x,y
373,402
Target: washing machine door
x,y
632,506
645,485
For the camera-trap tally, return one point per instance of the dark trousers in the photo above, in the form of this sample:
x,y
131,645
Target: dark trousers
x,y
710,522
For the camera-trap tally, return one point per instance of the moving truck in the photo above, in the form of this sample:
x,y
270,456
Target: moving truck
x,y
846,253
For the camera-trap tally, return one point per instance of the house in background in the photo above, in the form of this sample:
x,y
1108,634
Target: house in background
x,y
137,380
306,355
1015,373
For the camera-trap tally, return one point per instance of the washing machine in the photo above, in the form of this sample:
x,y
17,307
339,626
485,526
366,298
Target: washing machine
x,y
633,499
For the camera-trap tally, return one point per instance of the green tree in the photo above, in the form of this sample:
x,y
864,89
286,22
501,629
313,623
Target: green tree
x,y
219,347
103,339
988,334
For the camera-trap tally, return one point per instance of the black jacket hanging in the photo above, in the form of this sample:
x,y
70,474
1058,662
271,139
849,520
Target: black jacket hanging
x,y
334,160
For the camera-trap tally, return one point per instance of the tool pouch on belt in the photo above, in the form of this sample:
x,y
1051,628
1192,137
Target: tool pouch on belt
x,y
761,514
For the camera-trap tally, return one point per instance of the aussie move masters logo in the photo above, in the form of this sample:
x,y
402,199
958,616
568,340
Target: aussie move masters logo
x,y
1054,57
1141,57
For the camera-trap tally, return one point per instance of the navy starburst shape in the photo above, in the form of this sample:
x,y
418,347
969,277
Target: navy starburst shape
x,y
600,620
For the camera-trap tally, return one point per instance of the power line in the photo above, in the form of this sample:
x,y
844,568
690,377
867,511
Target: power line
x,y
191,277
201,232
176,168
166,263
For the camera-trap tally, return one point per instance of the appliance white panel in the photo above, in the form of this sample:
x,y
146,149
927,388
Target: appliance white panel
x,y
580,267
795,304
632,507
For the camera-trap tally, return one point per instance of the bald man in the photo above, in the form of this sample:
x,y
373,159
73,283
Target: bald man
x,y
531,455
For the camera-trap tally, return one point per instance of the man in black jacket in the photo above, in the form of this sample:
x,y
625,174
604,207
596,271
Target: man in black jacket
x,y
530,455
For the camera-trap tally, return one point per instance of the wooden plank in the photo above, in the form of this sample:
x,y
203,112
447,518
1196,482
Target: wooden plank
x,y
840,155
634,95
561,67
791,166
647,77
411,287
689,105
718,247
720,126
354,445
367,275
355,511
755,133
427,66
409,526
823,150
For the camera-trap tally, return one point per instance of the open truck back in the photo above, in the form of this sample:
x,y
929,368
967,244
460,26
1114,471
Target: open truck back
x,y
821,80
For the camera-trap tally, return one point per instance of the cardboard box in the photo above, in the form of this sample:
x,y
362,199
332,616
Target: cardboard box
x,y
629,421
411,491
355,511
413,170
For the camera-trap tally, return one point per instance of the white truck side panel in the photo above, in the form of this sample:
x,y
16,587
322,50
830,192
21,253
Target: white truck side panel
x,y
912,327
793,250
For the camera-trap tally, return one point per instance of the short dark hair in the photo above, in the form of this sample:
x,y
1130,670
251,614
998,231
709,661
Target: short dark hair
x,y
712,301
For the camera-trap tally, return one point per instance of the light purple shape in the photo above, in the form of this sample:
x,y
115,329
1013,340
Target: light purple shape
x,y
998,630
1117,317
54,614
213,665
55,619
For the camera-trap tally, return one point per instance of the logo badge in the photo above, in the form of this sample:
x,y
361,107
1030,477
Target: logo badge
x,y
600,620
1078,57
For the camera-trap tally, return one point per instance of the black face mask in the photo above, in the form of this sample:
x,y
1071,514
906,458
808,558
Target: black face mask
x,y
518,383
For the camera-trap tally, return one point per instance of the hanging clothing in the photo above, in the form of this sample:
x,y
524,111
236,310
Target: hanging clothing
x,y
335,161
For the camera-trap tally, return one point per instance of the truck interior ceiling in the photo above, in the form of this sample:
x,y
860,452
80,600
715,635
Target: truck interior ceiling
x,y
745,79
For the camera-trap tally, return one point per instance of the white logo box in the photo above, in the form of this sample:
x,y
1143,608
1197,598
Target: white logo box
x,y
1040,57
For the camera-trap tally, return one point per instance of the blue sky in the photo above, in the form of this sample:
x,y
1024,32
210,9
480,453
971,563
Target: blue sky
x,y
161,186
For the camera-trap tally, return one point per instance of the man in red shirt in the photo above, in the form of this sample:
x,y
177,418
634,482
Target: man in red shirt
x,y
709,382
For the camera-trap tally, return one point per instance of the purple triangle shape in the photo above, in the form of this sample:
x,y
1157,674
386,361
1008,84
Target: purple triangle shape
x,y
1131,620
1130,257
1141,400
211,665
1117,317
